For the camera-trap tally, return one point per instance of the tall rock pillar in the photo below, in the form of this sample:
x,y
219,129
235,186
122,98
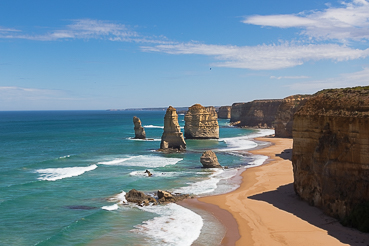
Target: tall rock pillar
x,y
172,137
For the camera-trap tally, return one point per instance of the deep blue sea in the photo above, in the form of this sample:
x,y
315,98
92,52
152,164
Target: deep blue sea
x,y
63,176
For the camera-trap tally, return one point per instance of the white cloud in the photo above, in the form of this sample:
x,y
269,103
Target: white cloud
x,y
289,77
351,21
344,80
21,93
86,29
264,57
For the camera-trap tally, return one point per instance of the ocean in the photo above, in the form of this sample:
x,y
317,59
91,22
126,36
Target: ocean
x,y
63,176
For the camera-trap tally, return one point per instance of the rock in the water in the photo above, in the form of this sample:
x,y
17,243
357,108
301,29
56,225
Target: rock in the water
x,y
258,113
209,160
224,112
139,130
331,150
284,118
172,137
166,197
140,198
201,123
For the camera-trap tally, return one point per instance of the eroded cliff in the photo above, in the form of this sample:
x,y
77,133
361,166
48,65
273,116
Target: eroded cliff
x,y
258,113
284,118
224,112
201,123
331,150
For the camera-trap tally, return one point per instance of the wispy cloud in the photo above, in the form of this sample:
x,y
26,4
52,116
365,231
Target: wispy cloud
x,y
264,57
22,93
344,80
349,22
86,29
289,77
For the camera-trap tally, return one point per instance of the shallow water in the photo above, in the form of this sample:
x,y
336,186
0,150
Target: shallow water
x,y
64,173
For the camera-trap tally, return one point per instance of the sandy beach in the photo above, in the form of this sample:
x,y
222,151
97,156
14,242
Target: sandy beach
x,y
264,210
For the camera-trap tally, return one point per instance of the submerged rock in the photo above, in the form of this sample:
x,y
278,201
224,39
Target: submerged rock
x,y
139,130
209,160
172,138
201,123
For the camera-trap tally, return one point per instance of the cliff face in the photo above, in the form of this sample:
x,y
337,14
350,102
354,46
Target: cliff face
x,y
331,150
139,130
224,112
284,117
201,123
172,137
258,113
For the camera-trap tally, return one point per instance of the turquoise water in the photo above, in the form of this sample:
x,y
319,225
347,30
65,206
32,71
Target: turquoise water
x,y
63,175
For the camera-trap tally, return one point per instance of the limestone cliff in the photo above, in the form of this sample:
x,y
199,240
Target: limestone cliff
x,y
201,123
284,117
172,137
258,113
224,112
331,150
139,130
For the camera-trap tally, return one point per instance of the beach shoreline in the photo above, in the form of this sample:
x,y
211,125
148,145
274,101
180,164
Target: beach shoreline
x,y
265,210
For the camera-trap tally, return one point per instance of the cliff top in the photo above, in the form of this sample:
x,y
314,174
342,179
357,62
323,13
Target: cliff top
x,y
170,108
196,106
347,102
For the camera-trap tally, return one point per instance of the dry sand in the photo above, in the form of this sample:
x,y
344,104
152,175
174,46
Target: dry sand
x,y
266,211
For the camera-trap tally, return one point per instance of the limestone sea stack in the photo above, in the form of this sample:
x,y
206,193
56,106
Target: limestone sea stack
x,y
172,137
201,123
284,118
331,151
224,112
209,160
139,130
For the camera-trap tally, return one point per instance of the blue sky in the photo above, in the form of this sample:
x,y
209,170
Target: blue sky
x,y
61,54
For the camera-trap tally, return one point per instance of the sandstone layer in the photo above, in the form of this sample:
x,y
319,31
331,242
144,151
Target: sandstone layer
x,y
139,130
284,117
201,123
258,113
224,112
172,137
331,150
209,160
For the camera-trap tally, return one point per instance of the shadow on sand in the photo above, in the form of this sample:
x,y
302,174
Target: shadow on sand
x,y
285,199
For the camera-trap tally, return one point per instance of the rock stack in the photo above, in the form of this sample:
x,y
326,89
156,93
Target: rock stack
x,y
172,137
201,123
209,160
224,112
139,130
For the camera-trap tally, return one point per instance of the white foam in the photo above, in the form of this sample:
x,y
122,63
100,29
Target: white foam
x,y
63,157
244,142
110,208
120,198
146,139
208,185
258,161
149,161
52,174
155,174
175,226
152,126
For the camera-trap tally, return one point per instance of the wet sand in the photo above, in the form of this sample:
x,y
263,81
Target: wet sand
x,y
265,210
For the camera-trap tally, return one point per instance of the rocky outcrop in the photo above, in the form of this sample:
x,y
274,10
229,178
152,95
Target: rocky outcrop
x,y
284,118
201,123
209,160
139,130
167,197
172,138
224,112
140,198
258,113
331,150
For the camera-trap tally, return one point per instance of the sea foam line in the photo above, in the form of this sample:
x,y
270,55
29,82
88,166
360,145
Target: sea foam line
x,y
245,142
176,225
52,174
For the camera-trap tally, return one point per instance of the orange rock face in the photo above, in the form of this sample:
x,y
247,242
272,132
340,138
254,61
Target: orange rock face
x,y
201,123
331,150
172,137
258,113
224,112
284,118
